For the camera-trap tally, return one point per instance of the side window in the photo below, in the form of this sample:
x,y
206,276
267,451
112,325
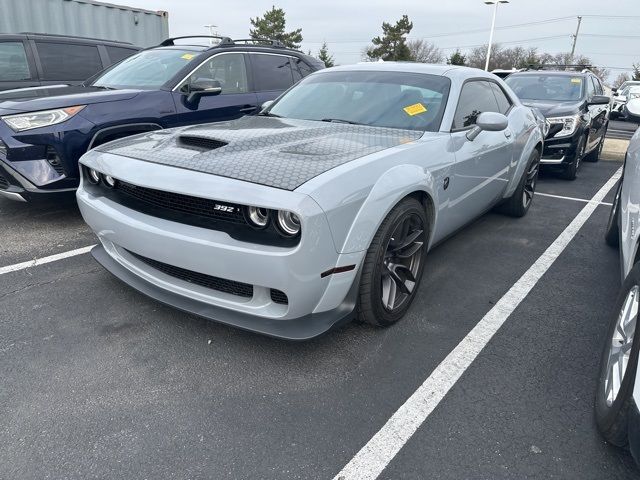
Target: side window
x,y
116,53
272,72
591,89
13,62
228,69
598,86
504,104
303,67
476,97
66,61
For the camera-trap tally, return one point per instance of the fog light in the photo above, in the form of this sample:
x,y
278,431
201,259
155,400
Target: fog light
x,y
258,217
288,223
109,181
94,176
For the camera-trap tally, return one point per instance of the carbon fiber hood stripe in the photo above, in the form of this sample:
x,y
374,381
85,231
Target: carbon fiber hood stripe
x,y
280,153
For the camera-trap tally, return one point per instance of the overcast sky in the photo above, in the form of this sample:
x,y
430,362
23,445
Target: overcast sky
x,y
348,26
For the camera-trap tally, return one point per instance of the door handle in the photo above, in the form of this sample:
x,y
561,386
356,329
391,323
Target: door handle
x,y
248,108
507,133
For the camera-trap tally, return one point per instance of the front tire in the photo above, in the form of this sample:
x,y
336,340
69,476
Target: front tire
x,y
570,172
595,155
618,364
393,265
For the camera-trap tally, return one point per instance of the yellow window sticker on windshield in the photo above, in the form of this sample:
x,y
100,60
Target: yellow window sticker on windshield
x,y
188,56
415,109
576,80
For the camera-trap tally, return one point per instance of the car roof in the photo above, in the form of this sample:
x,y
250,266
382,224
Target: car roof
x,y
414,67
65,38
549,73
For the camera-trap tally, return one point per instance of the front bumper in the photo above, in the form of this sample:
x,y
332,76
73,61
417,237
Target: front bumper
x,y
561,151
315,303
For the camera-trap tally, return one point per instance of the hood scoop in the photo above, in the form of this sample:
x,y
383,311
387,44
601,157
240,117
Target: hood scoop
x,y
201,144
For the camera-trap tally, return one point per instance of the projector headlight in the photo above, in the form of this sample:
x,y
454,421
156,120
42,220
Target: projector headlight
x,y
569,124
94,176
288,223
258,217
28,121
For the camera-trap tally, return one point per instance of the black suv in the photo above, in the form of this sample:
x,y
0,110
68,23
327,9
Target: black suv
x,y
35,59
577,109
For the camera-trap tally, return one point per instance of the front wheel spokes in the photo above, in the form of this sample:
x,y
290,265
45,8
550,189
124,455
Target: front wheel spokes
x,y
396,271
408,241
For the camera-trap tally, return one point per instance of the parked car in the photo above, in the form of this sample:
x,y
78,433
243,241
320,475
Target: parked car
x,y
43,132
577,110
631,108
36,59
618,101
320,209
628,83
618,388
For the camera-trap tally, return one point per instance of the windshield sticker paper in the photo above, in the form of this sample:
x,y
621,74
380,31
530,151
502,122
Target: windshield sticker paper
x,y
188,56
576,80
415,109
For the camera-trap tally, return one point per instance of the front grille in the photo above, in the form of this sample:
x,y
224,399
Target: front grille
x,y
4,184
177,202
219,284
278,296
199,143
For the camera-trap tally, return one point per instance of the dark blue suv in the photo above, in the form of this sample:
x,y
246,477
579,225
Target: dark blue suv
x,y
45,130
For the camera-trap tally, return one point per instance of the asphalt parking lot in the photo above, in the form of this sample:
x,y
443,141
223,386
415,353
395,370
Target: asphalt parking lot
x,y
101,382
621,129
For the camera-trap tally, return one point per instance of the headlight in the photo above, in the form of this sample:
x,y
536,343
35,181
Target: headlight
x,y
109,181
569,124
258,217
288,223
94,176
45,118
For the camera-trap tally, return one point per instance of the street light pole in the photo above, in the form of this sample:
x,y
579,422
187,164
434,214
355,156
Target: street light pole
x,y
493,26
212,32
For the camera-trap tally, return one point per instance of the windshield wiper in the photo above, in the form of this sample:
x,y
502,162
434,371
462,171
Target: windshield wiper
x,y
269,114
339,120
103,87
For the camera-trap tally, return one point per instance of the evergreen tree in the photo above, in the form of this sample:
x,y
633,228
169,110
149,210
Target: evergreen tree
x,y
392,45
323,55
457,58
272,26
636,72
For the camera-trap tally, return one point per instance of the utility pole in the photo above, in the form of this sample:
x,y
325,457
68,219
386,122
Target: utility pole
x,y
575,38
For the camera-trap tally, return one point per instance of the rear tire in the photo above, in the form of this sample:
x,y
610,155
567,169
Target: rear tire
x,y
595,155
393,265
615,384
612,235
517,205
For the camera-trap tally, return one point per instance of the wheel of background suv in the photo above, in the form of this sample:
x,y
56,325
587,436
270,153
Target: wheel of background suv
x,y
595,155
570,172
518,204
612,235
394,264
618,364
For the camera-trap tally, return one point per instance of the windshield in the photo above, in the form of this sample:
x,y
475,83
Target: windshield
x,y
562,88
147,70
383,99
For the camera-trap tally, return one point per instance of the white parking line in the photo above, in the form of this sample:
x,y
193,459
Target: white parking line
x,y
43,260
584,200
374,457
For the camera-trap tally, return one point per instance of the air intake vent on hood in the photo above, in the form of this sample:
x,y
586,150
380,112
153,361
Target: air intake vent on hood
x,y
201,144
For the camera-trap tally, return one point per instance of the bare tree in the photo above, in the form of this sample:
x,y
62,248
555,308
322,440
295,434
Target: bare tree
x,y
620,79
425,52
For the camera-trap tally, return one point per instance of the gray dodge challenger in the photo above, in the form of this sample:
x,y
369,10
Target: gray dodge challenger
x,y
322,208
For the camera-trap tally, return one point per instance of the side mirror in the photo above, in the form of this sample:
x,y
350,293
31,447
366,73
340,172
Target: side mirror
x,y
202,87
599,100
266,105
489,121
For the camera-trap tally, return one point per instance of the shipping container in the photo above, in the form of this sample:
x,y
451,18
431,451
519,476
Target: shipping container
x,y
85,18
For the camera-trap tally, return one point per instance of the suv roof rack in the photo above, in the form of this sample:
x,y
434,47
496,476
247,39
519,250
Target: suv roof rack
x,y
57,35
268,41
561,66
170,42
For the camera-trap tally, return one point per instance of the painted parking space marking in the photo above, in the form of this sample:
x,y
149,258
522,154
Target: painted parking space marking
x,y
374,457
44,260
584,200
